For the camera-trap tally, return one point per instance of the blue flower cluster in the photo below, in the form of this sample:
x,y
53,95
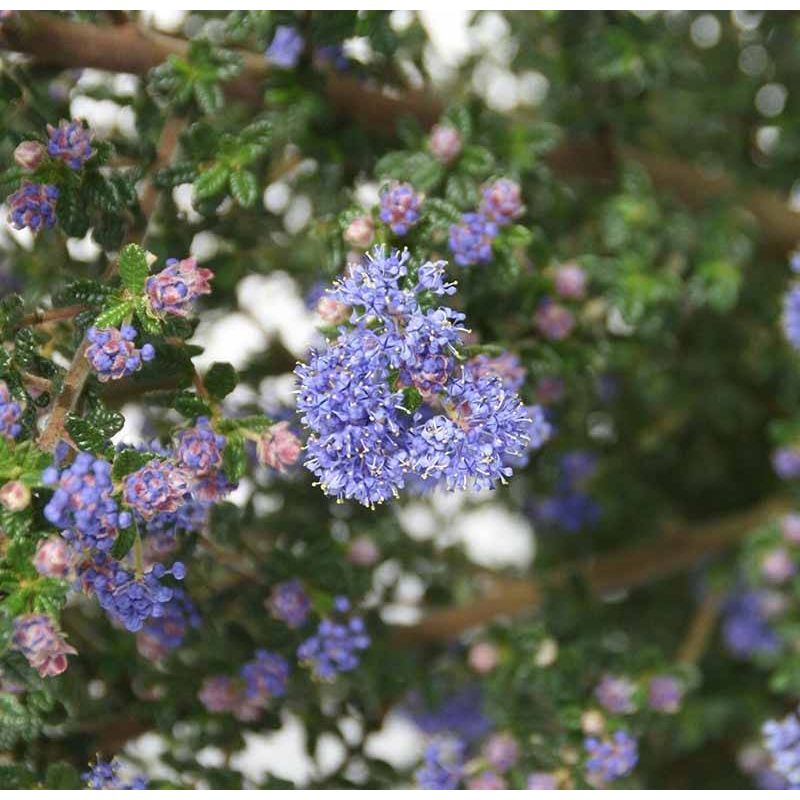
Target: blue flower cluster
x,y
70,142
335,647
286,47
745,629
289,603
461,712
10,412
112,353
443,764
782,742
571,507
160,635
470,240
610,759
400,207
158,487
105,775
363,441
791,315
33,206
265,676
199,449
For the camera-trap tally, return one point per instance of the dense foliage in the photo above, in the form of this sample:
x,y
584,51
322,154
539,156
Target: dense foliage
x,y
302,364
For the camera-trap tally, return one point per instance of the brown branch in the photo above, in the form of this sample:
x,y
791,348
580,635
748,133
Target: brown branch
x,y
701,628
634,566
43,317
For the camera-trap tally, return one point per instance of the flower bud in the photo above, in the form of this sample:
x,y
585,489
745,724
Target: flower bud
x,y
592,722
52,558
444,143
570,281
332,311
29,155
483,657
278,447
15,496
360,232
363,552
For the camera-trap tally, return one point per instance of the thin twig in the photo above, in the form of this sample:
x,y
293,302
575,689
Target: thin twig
x,y
701,629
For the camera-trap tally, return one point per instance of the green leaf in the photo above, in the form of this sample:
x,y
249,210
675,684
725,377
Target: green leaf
x,y
220,380
476,161
114,313
62,776
244,187
461,191
441,213
211,182
128,461
190,405
134,268
255,423
124,541
209,96
234,457
85,434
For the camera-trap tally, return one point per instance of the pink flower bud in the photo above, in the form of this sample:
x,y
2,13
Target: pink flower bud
x,y
29,155
570,281
444,143
790,526
483,657
554,322
332,311
778,566
53,559
363,552
360,232
279,447
592,722
15,496
44,647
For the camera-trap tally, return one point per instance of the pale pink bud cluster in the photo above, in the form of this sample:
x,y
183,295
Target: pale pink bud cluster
x,y
44,647
570,282
29,155
278,447
444,143
363,552
53,558
483,657
332,311
360,233
15,496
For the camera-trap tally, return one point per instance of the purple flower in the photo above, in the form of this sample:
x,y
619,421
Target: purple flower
x,y
791,315
746,630
506,366
160,635
790,528
786,462
616,694
610,759
400,207
289,603
199,449
502,201
542,781
157,487
105,775
570,282
220,693
112,353
37,639
82,505
335,647
33,206
470,241
782,742
665,694
777,565
70,142
265,676
501,751
794,261
10,412
286,47
554,321
175,289
443,766
487,780
444,143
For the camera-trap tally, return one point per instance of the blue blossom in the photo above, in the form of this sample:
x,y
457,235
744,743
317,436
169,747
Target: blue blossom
x,y
160,635
33,206
794,261
289,603
791,315
199,448
782,742
611,758
105,775
157,487
615,694
400,207
460,713
502,201
470,241
443,766
286,47
336,645
745,629
786,462
265,676
112,353
70,142
10,412
82,504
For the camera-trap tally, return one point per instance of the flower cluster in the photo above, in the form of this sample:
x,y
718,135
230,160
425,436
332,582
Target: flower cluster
x,y
105,775
615,694
745,629
112,353
278,447
37,639
199,448
443,764
571,507
364,442
70,142
502,201
665,694
165,633
286,47
611,758
29,155
33,206
553,321
10,412
156,488
570,282
289,603
176,288
335,647
53,558
445,143
791,315
265,676
506,366
782,742
471,240
360,232
400,207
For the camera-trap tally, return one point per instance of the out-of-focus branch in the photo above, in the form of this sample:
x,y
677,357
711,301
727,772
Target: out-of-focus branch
x,y
701,629
635,566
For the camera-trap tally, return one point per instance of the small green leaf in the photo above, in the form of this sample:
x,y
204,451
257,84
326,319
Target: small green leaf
x,y
62,776
190,405
244,187
476,161
85,434
209,96
124,541
211,182
134,268
220,380
234,457
114,313
128,461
